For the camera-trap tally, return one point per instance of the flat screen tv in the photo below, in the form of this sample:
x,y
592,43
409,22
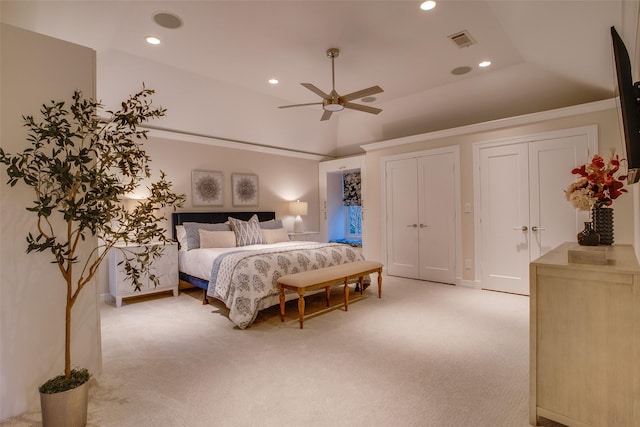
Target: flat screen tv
x,y
629,106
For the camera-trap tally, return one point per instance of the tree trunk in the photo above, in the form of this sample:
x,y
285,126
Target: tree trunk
x,y
67,341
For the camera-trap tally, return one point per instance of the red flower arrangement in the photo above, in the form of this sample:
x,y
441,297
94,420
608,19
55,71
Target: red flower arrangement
x,y
598,185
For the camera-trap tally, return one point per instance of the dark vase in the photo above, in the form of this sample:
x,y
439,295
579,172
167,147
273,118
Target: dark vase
x,y
603,224
588,236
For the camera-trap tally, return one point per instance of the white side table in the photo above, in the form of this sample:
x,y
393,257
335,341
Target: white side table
x,y
307,236
165,268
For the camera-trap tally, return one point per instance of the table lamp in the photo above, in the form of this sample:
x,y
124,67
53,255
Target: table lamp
x,y
297,209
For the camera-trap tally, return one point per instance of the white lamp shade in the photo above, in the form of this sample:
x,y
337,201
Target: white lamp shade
x,y
298,208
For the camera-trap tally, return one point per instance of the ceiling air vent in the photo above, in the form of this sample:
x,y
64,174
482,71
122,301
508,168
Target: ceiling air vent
x,y
462,39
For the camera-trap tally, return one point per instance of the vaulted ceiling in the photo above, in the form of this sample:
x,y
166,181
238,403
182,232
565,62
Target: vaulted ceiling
x,y
212,73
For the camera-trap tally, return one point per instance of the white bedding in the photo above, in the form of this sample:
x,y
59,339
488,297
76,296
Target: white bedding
x,y
245,278
198,262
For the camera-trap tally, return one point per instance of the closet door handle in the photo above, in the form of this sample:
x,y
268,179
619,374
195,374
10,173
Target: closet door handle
x,y
523,228
423,226
535,228
412,226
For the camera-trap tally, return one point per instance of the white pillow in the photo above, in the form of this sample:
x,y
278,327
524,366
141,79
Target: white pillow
x,y
181,237
271,224
275,236
217,239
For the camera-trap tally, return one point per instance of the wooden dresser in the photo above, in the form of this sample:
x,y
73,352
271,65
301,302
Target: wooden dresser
x,y
585,339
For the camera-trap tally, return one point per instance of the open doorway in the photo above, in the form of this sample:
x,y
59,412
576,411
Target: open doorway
x,y
344,207
341,200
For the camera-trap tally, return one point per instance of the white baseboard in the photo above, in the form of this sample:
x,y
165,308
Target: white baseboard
x,y
473,284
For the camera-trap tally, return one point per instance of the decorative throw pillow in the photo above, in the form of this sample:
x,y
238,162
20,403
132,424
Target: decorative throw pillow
x,y
247,232
270,225
217,239
275,236
181,237
193,232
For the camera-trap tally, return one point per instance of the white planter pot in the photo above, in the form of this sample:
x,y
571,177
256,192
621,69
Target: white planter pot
x,y
65,409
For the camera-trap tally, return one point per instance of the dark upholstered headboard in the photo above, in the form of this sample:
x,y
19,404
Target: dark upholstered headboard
x,y
178,218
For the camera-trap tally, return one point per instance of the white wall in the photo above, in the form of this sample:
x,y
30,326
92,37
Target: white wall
x,y
34,70
198,112
281,179
609,135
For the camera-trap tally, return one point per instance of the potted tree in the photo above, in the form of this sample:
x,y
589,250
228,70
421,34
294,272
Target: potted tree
x,y
80,167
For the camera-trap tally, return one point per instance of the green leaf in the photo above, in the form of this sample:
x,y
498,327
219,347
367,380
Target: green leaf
x,y
79,167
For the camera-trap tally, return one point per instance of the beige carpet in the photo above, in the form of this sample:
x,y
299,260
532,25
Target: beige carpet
x,y
424,355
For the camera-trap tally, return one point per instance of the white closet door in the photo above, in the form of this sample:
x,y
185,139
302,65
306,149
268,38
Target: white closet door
x,y
504,187
524,213
437,234
402,218
553,219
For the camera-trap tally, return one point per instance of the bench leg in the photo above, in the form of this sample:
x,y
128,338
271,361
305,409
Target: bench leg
x,y
301,307
380,283
346,294
327,291
361,283
281,303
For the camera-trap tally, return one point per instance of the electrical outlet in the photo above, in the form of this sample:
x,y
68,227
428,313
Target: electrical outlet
x,y
467,264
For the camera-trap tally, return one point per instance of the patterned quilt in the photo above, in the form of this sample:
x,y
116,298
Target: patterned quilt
x,y
246,281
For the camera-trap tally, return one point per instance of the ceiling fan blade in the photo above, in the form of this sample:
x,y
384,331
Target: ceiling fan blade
x,y
360,107
300,105
326,115
362,93
315,90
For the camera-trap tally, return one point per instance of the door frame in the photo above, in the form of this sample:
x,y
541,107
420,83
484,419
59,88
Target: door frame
x,y
452,149
339,166
590,131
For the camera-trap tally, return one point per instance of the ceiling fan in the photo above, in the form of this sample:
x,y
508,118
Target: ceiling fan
x,y
333,102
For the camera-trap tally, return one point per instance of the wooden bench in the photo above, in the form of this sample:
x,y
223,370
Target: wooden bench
x,y
324,278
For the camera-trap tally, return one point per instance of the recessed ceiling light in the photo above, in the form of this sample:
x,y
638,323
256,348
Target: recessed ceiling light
x,y
428,5
368,99
273,81
484,64
152,40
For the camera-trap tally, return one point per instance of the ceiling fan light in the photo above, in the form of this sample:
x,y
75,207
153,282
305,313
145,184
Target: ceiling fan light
x,y
333,107
332,102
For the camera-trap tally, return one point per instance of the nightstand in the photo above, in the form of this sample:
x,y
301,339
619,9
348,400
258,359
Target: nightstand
x,y
165,268
307,236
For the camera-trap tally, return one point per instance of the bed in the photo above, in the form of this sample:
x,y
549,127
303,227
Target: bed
x,y
237,258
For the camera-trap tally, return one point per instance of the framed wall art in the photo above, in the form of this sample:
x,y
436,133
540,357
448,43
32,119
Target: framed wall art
x,y
207,188
244,189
